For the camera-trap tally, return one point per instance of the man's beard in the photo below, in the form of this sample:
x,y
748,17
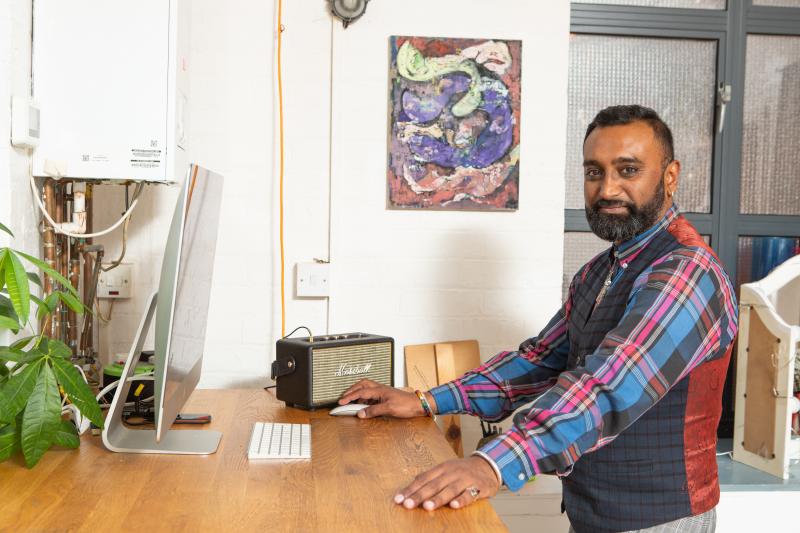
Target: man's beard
x,y
621,228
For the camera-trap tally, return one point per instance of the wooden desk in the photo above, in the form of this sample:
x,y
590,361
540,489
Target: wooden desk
x,y
356,468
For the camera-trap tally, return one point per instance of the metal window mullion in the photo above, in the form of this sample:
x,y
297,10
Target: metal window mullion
x,y
634,16
703,223
646,31
727,211
769,225
575,220
772,20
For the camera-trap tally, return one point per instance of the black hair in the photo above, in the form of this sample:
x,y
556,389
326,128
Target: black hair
x,y
619,115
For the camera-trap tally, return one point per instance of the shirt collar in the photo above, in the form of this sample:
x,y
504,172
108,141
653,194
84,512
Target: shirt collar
x,y
629,249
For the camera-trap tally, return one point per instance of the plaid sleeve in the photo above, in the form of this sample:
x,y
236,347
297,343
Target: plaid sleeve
x,y
682,312
510,379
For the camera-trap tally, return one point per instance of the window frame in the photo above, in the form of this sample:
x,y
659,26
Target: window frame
x,y
730,27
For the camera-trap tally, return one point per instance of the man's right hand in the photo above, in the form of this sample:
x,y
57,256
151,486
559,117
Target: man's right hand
x,y
384,400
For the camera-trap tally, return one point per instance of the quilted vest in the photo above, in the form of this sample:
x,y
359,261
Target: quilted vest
x,y
663,466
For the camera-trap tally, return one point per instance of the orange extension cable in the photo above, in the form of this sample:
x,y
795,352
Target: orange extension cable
x,y
280,130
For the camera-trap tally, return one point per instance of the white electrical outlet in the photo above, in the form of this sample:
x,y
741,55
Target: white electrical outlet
x,y
313,280
116,283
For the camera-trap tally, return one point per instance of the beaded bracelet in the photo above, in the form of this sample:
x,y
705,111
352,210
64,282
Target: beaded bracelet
x,y
425,405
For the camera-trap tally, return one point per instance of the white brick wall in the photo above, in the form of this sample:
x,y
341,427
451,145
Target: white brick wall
x,y
16,208
427,276
417,276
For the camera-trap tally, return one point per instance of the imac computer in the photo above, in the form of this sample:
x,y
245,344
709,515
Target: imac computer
x,y
181,308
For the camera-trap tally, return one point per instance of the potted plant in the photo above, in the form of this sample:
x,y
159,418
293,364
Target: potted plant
x,y
36,374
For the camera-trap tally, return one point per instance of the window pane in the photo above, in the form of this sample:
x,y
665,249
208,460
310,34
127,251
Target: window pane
x,y
759,255
777,3
579,248
698,4
770,158
673,76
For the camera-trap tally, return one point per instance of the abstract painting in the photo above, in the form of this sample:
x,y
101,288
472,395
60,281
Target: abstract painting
x,y
454,123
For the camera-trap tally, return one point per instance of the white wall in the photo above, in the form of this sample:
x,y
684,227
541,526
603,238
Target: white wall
x,y
428,276
230,131
16,210
416,276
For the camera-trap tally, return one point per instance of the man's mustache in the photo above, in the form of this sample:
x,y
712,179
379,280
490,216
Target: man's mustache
x,y
612,203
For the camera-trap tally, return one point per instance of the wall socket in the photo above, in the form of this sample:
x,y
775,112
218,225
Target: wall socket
x,y
116,283
313,280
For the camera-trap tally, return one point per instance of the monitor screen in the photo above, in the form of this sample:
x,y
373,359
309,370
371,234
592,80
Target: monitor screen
x,y
184,293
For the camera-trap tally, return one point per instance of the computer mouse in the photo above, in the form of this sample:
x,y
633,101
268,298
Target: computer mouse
x,y
348,409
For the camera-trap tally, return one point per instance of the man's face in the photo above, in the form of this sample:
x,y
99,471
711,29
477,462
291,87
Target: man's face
x,y
626,187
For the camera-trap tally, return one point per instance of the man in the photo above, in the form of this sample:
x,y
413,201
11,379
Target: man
x,y
625,381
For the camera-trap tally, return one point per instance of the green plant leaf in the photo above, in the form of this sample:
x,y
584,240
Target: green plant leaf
x,y
77,390
18,290
52,301
41,307
66,435
9,323
34,277
3,254
7,312
9,354
18,356
70,301
16,391
50,272
55,348
4,228
41,418
8,441
22,343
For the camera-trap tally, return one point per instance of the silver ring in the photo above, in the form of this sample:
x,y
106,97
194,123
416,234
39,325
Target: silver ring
x,y
473,491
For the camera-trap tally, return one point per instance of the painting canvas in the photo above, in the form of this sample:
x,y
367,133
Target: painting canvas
x,y
454,123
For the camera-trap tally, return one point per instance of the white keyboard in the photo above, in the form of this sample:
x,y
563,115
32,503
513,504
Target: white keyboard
x,y
274,440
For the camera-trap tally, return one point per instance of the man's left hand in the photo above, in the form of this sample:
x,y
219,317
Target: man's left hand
x,y
456,483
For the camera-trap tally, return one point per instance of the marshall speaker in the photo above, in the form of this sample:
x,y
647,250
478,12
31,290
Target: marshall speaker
x,y
313,372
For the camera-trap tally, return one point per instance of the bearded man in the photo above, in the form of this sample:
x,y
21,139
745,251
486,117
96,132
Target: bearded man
x,y
625,382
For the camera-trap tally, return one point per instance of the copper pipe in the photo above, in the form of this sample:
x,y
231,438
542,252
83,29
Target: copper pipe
x,y
59,314
74,279
86,339
48,240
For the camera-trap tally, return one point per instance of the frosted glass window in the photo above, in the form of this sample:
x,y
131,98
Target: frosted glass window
x,y
770,155
579,248
697,4
675,77
777,3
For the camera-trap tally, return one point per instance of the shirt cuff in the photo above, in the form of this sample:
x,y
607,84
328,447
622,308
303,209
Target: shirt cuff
x,y
447,399
492,464
510,453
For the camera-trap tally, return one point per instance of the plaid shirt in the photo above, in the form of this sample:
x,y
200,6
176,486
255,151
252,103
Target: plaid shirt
x,y
681,312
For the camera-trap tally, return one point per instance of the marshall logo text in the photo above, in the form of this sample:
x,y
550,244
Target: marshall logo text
x,y
352,370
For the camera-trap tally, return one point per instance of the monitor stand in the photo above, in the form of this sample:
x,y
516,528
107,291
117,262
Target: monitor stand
x,y
119,438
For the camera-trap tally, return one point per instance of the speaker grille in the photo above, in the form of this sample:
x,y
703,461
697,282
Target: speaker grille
x,y
327,386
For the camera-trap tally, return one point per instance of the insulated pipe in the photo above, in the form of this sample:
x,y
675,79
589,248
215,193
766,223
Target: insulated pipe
x,y
90,288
